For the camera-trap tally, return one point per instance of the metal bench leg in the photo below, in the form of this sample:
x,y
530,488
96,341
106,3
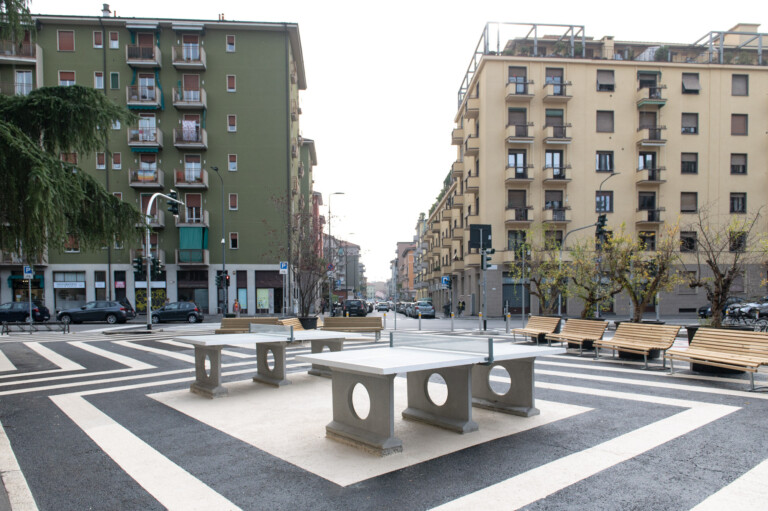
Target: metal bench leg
x,y
645,358
671,366
581,348
664,359
597,352
752,381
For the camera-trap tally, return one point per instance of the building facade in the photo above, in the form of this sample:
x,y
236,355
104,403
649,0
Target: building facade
x,y
217,120
552,131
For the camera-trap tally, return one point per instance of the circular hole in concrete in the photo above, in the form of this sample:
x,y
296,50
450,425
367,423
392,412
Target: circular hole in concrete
x,y
207,366
325,348
437,389
500,388
361,401
270,360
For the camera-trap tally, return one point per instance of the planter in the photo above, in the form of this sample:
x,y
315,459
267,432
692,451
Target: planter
x,y
653,354
308,323
701,368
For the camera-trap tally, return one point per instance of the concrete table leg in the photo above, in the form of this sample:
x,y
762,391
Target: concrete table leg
x,y
456,413
276,375
375,433
208,385
317,347
519,398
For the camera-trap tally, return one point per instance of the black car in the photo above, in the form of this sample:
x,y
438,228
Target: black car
x,y
99,310
15,312
705,311
354,308
130,312
178,311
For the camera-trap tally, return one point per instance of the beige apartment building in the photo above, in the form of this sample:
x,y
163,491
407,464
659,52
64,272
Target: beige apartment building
x,y
554,128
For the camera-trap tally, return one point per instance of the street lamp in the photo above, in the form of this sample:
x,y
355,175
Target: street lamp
x,y
223,246
330,251
148,251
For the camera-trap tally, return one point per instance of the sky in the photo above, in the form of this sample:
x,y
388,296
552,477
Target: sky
x,y
383,79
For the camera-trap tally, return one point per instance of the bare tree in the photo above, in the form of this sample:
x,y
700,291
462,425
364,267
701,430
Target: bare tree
x,y
587,280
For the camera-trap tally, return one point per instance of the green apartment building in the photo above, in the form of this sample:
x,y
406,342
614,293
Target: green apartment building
x,y
207,95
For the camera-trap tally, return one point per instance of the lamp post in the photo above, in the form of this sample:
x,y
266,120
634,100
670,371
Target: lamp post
x,y
148,250
330,251
223,246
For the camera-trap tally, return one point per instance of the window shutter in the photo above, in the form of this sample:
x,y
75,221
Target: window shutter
x,y
738,124
739,85
66,40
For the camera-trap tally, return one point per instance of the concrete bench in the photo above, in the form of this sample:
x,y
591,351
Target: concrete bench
x,y
538,327
639,338
579,331
242,325
365,324
730,349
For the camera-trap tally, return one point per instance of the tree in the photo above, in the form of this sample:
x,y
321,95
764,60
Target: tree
x,y
587,280
725,250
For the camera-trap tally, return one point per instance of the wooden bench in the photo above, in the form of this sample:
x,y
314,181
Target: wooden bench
x,y
365,324
731,349
579,331
243,325
294,322
639,338
537,327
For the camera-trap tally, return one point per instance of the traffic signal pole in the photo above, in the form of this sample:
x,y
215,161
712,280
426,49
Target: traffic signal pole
x,y
173,207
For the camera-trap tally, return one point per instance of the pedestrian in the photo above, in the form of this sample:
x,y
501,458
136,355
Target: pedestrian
x,y
461,307
322,306
236,308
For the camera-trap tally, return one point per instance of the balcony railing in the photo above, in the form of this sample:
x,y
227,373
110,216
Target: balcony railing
x,y
457,136
472,183
11,50
472,146
192,256
649,216
188,57
195,218
519,91
146,178
190,178
142,96
143,56
16,88
190,138
193,99
519,173
651,96
473,108
145,137
14,259
557,134
556,92
518,214
139,252
651,176
457,169
520,133
558,214
651,136
557,174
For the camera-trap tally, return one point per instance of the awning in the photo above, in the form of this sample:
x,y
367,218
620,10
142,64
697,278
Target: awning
x,y
145,149
691,82
605,77
13,278
648,72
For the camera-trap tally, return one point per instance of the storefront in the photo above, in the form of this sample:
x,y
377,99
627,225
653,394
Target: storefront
x,y
68,289
20,287
269,292
193,287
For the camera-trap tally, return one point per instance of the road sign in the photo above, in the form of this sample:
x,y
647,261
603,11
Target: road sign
x,y
330,267
283,267
28,272
445,281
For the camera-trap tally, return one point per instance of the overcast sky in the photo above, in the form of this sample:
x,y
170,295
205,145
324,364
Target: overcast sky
x,y
382,83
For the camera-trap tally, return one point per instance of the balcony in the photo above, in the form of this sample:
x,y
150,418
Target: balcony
x,y
189,57
557,134
184,99
472,146
457,169
16,88
458,233
145,138
146,179
472,183
519,92
142,97
473,108
14,53
457,136
435,227
156,221
190,138
651,136
186,219
651,96
192,257
649,176
520,174
14,259
520,133
139,252
649,216
557,175
190,178
457,265
457,202
143,56
471,260
515,214
557,92
556,215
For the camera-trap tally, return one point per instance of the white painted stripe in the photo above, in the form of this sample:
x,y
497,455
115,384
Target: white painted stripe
x,y
747,492
131,363
5,364
172,486
64,363
157,351
13,478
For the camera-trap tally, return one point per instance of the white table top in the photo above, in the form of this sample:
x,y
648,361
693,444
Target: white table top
x,y
405,359
256,338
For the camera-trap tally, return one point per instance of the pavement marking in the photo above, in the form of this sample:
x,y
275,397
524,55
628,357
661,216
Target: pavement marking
x,y
747,492
157,351
64,363
131,363
13,478
5,364
171,485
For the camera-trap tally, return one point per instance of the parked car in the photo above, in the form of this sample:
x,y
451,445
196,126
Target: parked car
x,y
130,312
409,309
14,312
424,308
752,308
370,306
382,306
354,308
178,311
99,310
705,311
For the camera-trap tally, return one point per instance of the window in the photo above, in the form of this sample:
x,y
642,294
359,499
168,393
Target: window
x,y
554,160
233,240
66,78
739,124
738,163
689,241
231,83
232,163
515,240
738,203
689,163
737,241
116,125
98,80
66,40
117,161
691,83
646,161
69,158
114,40
519,76
689,202
690,124
605,121
231,123
605,80
72,245
553,199
233,202
23,83
98,39
648,239
646,201
119,195
604,161
740,85
230,44
604,201
554,76
553,239
114,80
193,171
101,161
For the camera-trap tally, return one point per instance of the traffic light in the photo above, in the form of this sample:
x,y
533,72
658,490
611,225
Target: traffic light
x,y
173,206
218,281
450,282
226,279
157,267
485,257
138,264
600,231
